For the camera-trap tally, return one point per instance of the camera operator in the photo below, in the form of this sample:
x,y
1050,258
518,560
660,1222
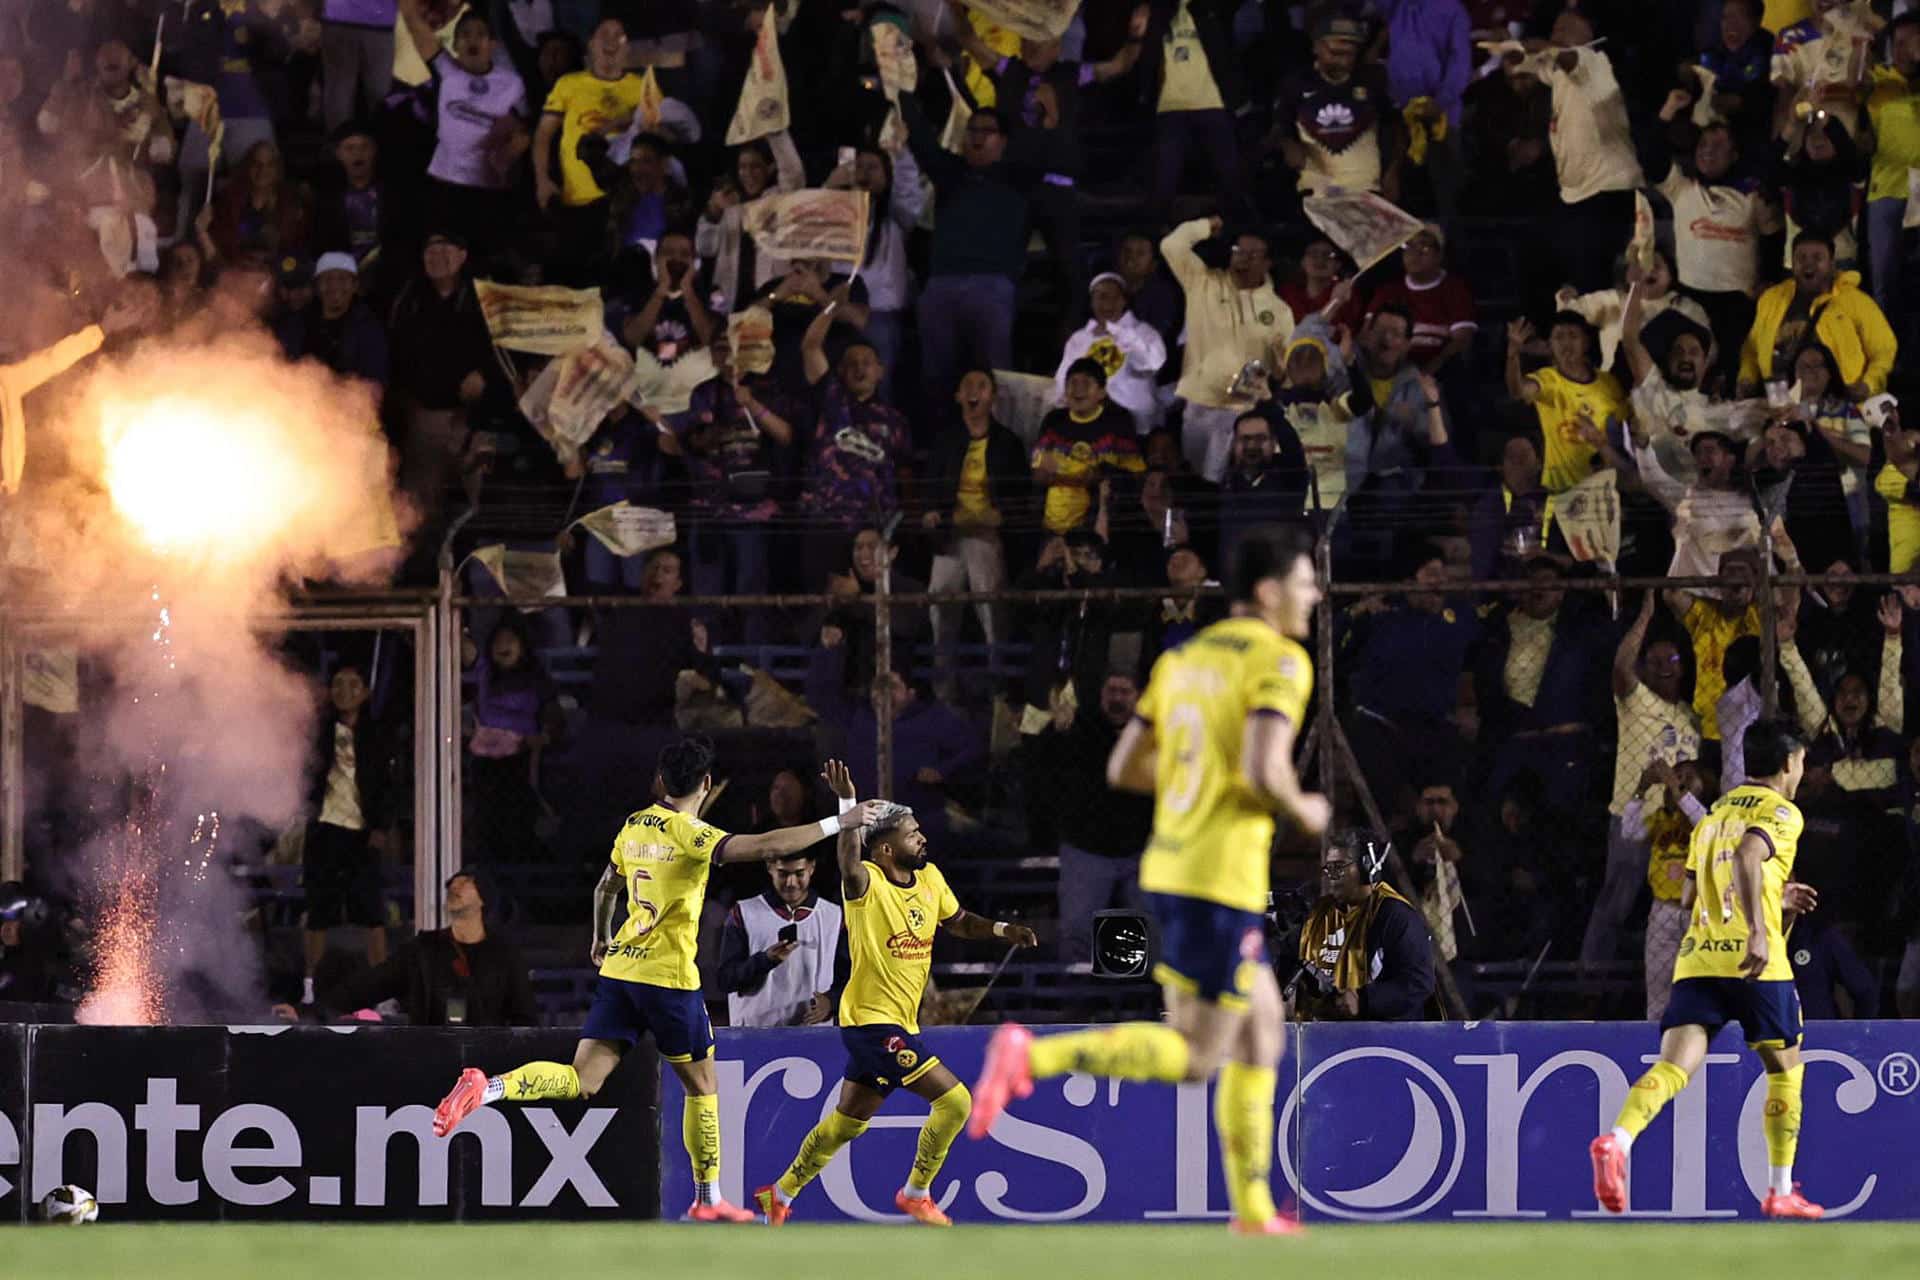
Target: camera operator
x,y
1365,952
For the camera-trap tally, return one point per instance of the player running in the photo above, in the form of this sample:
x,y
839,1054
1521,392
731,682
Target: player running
x,y
1213,739
894,900
648,980
1733,967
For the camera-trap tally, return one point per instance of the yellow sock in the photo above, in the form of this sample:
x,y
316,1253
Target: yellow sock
x,y
1243,1117
539,1082
1649,1096
817,1149
944,1122
1130,1051
700,1128
1781,1119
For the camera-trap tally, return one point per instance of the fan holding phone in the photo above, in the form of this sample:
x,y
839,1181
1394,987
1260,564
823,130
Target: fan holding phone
x,y
780,950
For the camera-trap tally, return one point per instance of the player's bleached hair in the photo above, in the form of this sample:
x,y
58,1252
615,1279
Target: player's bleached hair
x,y
892,817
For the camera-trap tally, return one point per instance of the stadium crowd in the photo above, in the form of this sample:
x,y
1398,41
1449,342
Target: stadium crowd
x,y
1093,334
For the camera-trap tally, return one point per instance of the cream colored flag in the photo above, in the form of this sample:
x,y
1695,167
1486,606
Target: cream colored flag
x,y
1034,19
763,98
954,137
523,575
1021,400
542,319
1703,113
50,679
573,395
1589,516
814,222
628,530
1367,226
893,56
750,337
1640,247
409,68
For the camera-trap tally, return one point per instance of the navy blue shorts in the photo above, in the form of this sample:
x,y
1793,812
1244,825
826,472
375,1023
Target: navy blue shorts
x,y
1769,1012
625,1011
1206,949
883,1056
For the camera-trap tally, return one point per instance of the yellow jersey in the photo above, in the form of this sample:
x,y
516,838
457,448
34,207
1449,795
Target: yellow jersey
x,y
890,944
1212,835
663,857
587,104
1717,931
1569,458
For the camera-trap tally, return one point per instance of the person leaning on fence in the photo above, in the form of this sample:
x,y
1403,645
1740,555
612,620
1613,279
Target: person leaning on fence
x,y
1365,952
1656,724
1407,659
1666,825
977,477
1102,832
457,976
350,796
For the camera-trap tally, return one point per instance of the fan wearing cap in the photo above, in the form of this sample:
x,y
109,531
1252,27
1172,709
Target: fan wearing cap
x,y
1441,304
1128,351
337,330
1082,444
1333,123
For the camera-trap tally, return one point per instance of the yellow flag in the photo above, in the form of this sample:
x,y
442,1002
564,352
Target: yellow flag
x,y
1034,19
763,98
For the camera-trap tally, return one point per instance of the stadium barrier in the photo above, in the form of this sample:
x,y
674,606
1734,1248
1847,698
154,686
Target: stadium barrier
x,y
307,1123
1437,1121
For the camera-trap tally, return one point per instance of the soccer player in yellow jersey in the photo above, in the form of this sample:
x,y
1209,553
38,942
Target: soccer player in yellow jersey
x,y
648,980
1740,900
894,899
1212,738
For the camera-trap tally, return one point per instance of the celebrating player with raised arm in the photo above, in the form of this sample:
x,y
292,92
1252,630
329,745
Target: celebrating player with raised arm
x,y
1733,967
1212,739
648,979
894,900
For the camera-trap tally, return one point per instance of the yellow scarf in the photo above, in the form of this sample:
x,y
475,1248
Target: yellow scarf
x,y
1350,969
1425,124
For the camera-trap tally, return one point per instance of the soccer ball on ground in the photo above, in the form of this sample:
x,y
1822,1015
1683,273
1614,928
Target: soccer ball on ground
x,y
69,1206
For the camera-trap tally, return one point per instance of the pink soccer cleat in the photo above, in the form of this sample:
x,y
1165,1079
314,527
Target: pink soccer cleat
x,y
1278,1225
466,1097
1792,1205
1004,1078
1609,1173
921,1209
718,1211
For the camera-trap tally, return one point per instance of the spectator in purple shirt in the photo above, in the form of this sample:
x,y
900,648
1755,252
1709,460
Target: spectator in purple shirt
x,y
1430,56
859,449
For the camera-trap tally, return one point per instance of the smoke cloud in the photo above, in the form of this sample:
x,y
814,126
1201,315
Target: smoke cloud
x,y
200,482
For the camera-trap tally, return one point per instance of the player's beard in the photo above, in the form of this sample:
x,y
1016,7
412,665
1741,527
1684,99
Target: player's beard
x,y
909,861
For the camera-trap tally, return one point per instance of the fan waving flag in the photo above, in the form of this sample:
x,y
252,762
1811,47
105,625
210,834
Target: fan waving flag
x,y
544,320
1366,226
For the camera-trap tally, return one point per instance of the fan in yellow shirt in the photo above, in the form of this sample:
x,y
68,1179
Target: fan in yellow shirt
x,y
895,901
648,980
600,100
1568,395
1740,900
1212,740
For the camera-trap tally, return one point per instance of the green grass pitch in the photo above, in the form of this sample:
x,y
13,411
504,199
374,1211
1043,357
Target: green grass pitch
x,y
570,1251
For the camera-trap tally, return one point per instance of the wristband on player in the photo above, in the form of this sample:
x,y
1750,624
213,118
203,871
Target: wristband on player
x,y
999,928
829,826
847,803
